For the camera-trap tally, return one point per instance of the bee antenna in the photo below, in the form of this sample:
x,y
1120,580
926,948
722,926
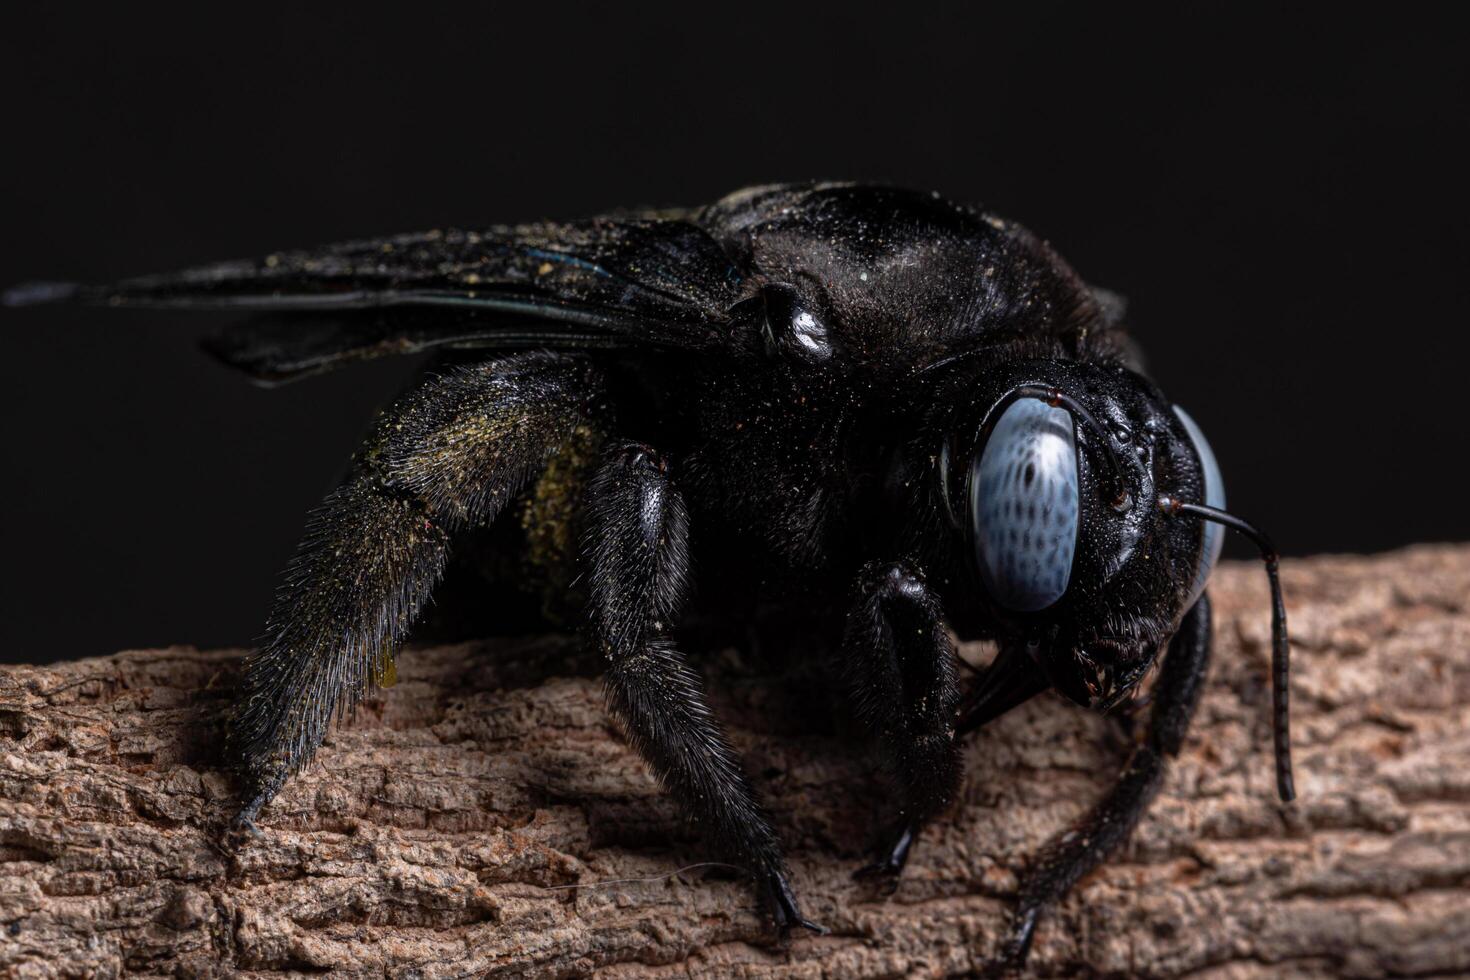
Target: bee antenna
x,y
1280,645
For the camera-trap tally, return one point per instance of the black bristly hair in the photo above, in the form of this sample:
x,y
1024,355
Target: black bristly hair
x,y
1280,643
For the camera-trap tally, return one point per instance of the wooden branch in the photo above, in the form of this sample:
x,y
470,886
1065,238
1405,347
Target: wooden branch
x,y
439,829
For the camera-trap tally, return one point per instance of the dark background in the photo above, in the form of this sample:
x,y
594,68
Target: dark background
x,y
1282,197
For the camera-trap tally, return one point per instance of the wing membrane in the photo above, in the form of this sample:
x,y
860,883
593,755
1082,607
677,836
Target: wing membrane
x,y
635,281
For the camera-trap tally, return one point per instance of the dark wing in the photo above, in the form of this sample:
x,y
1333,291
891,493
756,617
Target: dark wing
x,y
643,280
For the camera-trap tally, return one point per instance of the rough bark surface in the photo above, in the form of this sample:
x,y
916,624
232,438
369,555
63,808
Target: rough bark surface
x,y
439,830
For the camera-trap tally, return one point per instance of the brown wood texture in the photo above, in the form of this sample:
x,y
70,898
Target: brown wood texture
x,y
438,831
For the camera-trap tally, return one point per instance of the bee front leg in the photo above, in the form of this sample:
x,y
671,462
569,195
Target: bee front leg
x,y
446,457
637,543
1070,855
902,672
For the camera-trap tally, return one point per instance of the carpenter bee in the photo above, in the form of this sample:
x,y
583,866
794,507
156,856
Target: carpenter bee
x,y
822,396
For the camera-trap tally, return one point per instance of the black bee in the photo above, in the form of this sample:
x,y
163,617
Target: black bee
x,y
807,393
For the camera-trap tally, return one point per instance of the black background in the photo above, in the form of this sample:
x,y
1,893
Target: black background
x,y
1281,196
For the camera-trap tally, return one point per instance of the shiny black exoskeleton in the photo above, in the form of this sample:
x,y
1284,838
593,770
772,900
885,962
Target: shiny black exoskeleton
x,y
811,395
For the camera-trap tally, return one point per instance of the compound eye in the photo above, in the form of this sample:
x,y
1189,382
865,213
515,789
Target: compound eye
x,y
1024,505
1214,497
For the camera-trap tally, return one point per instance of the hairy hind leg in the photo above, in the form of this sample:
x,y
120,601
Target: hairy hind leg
x,y
446,457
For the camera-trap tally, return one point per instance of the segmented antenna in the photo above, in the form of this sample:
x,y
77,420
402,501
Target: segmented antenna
x,y
1280,646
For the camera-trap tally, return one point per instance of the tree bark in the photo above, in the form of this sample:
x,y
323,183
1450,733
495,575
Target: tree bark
x,y
439,832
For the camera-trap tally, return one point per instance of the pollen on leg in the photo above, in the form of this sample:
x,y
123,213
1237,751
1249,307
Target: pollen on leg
x,y
385,671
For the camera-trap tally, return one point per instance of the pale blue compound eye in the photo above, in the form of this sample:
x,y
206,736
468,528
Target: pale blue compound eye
x,y
1214,497
1024,505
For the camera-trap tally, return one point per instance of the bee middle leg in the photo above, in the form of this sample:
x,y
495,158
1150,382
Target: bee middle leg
x,y
636,536
902,673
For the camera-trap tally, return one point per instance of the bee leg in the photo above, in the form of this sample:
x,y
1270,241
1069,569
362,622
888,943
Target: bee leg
x,y
1070,855
636,539
447,456
1012,679
902,672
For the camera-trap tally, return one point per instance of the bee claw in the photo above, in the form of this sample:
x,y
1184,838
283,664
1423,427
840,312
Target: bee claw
x,y
782,904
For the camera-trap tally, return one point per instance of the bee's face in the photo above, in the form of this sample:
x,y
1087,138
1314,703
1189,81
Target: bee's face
x,y
1054,494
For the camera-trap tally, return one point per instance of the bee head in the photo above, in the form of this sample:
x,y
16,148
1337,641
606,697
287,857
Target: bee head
x,y
1067,483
